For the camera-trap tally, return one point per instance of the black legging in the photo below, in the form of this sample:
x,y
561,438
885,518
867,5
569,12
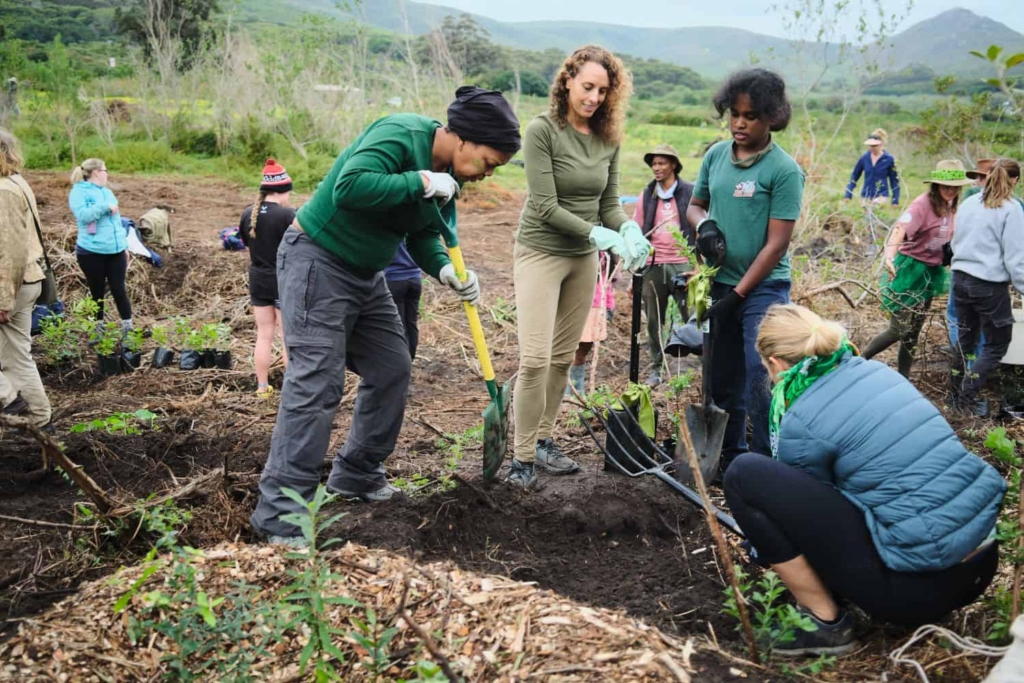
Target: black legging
x,y
786,512
100,269
406,294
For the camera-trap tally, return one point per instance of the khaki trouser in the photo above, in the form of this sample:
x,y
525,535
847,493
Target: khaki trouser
x,y
19,372
553,298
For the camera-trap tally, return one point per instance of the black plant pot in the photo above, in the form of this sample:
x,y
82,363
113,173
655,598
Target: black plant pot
x,y
131,360
109,365
222,359
208,358
190,360
162,357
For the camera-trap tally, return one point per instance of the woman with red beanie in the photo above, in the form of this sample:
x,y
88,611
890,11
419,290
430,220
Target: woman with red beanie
x,y
272,213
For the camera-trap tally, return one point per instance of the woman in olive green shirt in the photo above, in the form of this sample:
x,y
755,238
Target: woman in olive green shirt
x,y
572,211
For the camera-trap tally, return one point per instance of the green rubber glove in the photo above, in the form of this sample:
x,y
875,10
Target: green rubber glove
x,y
606,239
638,246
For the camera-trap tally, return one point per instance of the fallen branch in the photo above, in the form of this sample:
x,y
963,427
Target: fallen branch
x,y
431,646
838,287
201,484
53,453
53,525
723,548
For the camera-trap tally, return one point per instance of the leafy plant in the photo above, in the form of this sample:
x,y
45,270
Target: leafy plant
x,y
375,639
122,423
774,621
1002,447
307,596
106,338
159,335
83,313
134,340
215,335
59,340
504,312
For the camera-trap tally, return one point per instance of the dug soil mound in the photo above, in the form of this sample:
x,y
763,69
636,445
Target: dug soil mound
x,y
601,539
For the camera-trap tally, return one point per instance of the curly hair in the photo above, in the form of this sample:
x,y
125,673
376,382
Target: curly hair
x,y
609,121
767,92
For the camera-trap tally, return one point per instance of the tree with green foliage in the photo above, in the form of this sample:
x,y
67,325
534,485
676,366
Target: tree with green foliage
x,y
1008,85
186,20
461,45
62,80
954,125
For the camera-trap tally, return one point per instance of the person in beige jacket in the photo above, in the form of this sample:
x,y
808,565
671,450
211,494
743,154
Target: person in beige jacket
x,y
21,278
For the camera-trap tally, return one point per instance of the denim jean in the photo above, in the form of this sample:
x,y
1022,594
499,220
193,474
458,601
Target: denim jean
x,y
954,334
982,307
739,381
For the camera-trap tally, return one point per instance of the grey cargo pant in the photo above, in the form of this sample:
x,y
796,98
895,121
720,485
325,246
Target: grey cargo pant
x,y
332,319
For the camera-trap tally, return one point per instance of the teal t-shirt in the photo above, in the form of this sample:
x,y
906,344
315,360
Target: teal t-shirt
x,y
742,200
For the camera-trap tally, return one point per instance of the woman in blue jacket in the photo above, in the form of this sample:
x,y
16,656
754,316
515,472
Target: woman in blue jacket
x,y
102,245
870,497
879,170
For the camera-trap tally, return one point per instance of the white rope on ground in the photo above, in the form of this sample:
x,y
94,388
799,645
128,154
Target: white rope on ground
x,y
965,643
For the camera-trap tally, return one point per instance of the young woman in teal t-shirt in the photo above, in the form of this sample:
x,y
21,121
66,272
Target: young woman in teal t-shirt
x,y
753,190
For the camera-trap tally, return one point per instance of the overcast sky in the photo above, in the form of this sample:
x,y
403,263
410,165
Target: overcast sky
x,y
748,14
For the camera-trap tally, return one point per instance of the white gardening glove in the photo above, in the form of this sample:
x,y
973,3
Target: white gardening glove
x,y
439,186
468,290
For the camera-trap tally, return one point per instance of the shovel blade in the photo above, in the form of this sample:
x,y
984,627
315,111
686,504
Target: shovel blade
x,y
496,433
707,429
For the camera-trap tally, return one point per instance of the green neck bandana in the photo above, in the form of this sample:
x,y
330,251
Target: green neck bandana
x,y
792,383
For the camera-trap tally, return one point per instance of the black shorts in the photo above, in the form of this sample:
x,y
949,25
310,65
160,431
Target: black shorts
x,y
263,288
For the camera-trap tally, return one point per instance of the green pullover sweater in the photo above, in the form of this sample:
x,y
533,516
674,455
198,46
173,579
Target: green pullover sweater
x,y
572,182
372,199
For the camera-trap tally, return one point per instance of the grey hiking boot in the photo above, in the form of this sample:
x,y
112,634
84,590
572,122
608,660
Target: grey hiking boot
x,y
826,639
577,380
522,474
379,495
551,459
654,379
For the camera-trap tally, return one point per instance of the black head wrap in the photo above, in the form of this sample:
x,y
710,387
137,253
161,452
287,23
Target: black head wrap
x,y
485,118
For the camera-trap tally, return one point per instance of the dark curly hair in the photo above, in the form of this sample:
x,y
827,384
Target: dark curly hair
x,y
609,121
767,93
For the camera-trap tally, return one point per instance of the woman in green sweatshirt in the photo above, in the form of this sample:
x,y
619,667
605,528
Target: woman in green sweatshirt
x,y
336,309
572,211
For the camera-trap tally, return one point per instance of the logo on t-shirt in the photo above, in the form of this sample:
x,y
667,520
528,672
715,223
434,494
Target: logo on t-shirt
x,y
745,188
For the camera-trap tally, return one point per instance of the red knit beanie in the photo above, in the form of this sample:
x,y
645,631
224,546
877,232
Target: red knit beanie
x,y
275,178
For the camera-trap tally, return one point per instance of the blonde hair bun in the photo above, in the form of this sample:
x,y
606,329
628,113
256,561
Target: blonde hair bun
x,y
791,332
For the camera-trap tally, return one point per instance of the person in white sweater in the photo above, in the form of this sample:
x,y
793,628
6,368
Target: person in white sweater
x,y
988,254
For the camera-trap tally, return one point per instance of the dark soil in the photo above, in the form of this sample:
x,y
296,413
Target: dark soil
x,y
595,537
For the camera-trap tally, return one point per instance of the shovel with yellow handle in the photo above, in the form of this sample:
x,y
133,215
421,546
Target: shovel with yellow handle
x,y
496,414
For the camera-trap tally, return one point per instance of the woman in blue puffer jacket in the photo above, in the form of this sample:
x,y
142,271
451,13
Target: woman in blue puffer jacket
x,y
102,245
870,497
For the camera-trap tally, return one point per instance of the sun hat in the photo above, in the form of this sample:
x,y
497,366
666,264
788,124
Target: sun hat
x,y
949,172
664,150
982,167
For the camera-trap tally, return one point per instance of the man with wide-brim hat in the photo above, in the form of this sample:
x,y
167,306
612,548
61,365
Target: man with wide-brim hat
x,y
914,256
982,167
660,213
